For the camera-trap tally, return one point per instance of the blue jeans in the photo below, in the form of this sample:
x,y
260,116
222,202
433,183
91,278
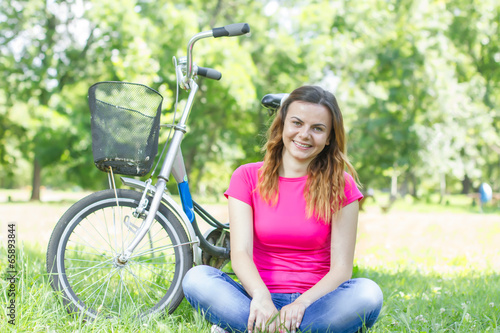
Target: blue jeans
x,y
353,306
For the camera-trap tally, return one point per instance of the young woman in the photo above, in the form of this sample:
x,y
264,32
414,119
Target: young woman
x,y
293,221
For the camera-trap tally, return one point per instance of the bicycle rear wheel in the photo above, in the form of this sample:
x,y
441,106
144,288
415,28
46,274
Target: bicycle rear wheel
x,y
83,258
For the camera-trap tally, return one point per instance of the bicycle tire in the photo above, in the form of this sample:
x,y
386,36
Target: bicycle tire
x,y
82,258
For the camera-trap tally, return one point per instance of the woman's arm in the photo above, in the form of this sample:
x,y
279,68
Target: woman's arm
x,y
262,309
343,242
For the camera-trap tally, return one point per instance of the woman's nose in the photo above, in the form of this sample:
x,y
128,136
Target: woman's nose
x,y
304,132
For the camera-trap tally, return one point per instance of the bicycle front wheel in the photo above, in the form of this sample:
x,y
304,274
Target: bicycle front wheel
x,y
83,258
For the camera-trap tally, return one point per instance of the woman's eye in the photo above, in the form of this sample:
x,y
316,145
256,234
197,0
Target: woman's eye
x,y
318,129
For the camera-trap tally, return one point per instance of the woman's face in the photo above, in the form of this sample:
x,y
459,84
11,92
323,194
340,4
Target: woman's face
x,y
306,131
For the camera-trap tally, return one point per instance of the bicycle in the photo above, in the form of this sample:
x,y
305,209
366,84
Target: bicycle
x,y
121,251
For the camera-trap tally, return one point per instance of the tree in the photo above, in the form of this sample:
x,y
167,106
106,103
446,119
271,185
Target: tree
x,y
475,31
417,82
49,42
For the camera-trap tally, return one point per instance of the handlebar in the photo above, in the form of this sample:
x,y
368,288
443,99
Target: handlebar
x,y
209,73
236,29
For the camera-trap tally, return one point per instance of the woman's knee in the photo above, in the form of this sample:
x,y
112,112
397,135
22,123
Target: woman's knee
x,y
369,293
196,277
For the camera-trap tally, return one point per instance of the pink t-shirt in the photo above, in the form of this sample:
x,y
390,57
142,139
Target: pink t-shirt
x,y
291,251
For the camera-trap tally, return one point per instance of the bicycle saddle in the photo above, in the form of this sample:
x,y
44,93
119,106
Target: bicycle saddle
x,y
273,101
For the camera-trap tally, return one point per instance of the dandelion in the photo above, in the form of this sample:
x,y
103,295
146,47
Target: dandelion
x,y
492,305
420,318
463,305
467,316
442,310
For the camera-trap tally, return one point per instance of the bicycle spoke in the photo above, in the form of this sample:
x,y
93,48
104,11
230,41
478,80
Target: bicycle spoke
x,y
146,243
144,262
147,268
90,271
84,260
130,296
107,230
89,268
82,291
121,293
86,242
139,285
114,226
111,306
84,252
165,247
109,276
99,233
143,280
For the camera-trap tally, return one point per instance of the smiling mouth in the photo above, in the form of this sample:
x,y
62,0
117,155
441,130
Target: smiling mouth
x,y
301,145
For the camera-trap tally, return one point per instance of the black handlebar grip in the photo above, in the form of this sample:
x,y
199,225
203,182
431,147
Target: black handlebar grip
x,y
236,29
209,73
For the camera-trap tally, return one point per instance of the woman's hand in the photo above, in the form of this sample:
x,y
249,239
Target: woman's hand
x,y
291,316
263,314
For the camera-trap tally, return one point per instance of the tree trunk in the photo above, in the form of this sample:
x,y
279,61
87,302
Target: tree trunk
x,y
466,185
394,185
414,190
37,181
442,187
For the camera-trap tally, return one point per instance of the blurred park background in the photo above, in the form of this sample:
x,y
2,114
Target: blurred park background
x,y
418,83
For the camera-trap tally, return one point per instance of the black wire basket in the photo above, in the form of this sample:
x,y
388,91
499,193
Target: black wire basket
x,y
125,123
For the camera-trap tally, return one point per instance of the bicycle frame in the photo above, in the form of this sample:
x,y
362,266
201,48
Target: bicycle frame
x,y
119,251
171,203
173,162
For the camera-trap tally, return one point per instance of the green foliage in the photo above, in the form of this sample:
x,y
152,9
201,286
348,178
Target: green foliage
x,y
418,83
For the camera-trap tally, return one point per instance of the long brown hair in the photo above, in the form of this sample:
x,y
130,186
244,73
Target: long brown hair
x,y
324,190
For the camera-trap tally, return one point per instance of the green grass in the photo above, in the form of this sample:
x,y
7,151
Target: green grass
x,y
431,302
422,292
416,300
39,309
456,203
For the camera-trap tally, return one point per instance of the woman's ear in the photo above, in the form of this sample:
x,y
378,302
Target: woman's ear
x,y
332,135
329,139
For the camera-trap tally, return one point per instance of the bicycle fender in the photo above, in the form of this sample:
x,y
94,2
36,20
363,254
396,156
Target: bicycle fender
x,y
140,185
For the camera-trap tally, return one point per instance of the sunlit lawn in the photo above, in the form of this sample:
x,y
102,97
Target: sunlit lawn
x,y
457,203
416,300
423,293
